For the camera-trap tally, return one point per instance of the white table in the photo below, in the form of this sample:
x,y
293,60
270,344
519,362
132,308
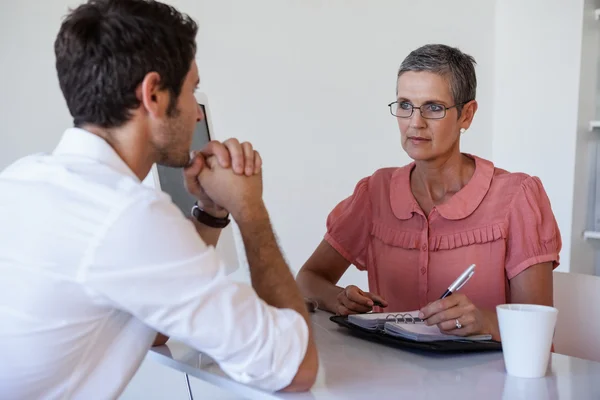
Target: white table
x,y
353,368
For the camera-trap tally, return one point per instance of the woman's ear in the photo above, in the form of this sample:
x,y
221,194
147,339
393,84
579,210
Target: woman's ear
x,y
468,113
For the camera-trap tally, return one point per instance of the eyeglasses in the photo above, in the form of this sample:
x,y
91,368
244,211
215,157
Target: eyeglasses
x,y
404,109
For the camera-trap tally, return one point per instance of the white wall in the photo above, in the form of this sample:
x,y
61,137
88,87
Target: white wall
x,y
33,113
536,98
309,82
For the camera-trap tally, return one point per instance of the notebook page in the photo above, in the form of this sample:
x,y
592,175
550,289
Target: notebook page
x,y
382,316
420,329
375,321
424,333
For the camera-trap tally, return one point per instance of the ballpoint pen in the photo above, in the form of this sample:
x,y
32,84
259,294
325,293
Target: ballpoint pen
x,y
460,281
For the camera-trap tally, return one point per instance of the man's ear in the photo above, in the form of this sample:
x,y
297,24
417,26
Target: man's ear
x,y
154,100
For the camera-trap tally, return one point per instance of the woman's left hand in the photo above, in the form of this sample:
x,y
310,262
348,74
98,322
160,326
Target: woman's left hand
x,y
457,315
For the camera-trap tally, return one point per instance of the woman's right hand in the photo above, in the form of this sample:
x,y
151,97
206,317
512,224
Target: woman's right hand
x,y
352,300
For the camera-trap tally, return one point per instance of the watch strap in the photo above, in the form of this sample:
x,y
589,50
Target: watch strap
x,y
205,218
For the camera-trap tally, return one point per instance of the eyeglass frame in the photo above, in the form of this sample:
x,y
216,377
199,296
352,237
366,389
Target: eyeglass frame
x,y
412,111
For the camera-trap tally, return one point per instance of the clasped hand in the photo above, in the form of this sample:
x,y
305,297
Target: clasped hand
x,y
213,173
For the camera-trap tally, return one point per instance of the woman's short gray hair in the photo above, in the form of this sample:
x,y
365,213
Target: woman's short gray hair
x,y
451,63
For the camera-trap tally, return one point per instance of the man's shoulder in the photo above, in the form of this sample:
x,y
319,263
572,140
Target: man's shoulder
x,y
78,180
20,166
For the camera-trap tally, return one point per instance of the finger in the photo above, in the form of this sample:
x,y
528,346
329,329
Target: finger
x,y
343,299
450,314
438,306
195,165
257,162
377,299
356,295
341,310
237,155
219,150
248,151
191,172
465,331
212,162
354,306
466,321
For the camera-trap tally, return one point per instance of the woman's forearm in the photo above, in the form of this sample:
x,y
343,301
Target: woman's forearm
x,y
315,287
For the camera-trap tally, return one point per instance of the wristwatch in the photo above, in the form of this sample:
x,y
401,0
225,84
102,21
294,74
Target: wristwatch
x,y
207,219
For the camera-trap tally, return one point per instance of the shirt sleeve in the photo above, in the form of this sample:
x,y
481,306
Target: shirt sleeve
x,y
152,264
533,234
349,225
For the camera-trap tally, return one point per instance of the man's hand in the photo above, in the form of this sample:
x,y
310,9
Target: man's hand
x,y
240,194
242,158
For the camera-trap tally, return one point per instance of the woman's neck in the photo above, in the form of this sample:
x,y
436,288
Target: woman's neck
x,y
439,179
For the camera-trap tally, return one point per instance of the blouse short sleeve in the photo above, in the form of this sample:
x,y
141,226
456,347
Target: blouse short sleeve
x,y
533,234
349,225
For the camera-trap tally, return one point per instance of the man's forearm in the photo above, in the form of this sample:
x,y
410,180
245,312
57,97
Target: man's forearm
x,y
271,277
210,236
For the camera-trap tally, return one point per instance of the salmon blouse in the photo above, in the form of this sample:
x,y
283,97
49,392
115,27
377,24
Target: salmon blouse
x,y
500,221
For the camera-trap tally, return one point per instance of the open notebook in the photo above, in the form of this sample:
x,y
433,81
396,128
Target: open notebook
x,y
406,325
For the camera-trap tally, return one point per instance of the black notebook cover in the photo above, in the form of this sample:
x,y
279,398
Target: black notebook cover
x,y
445,346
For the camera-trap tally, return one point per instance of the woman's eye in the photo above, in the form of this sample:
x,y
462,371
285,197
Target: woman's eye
x,y
435,107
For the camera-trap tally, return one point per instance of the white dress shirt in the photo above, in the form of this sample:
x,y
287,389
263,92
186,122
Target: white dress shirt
x,y
93,264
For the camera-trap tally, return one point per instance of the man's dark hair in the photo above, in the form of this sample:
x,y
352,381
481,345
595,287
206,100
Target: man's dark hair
x,y
105,48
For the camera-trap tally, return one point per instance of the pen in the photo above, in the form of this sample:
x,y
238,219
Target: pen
x,y
460,281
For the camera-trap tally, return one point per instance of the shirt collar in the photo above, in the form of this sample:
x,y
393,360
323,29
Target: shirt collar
x,y
459,206
79,142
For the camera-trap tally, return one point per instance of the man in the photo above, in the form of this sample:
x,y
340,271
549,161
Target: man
x,y
93,264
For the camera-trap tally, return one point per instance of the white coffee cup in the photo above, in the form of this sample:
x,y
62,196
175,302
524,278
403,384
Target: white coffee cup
x,y
526,331
528,389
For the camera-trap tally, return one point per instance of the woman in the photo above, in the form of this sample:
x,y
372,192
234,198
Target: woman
x,y
415,229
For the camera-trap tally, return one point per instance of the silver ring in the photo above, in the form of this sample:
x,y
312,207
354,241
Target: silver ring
x,y
458,324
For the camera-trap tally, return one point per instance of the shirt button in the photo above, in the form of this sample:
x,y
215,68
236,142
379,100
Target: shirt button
x,y
423,270
424,247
